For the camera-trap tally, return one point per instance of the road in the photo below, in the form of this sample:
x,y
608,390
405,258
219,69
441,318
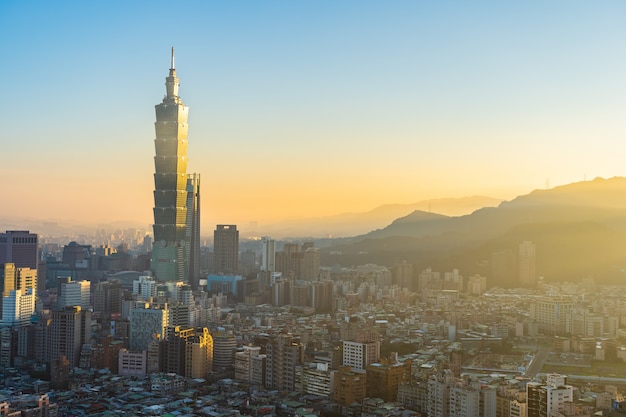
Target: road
x,y
537,363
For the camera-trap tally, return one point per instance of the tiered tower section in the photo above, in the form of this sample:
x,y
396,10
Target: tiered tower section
x,y
169,252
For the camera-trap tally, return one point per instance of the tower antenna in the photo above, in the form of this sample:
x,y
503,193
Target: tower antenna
x,y
173,67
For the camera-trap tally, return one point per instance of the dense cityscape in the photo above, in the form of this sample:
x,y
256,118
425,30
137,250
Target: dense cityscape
x,y
158,322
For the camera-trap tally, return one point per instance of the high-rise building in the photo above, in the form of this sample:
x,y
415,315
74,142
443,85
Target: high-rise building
x,y
19,247
170,184
188,351
225,249
147,322
284,352
107,298
243,363
403,275
192,238
70,330
526,263
268,256
224,346
310,268
13,277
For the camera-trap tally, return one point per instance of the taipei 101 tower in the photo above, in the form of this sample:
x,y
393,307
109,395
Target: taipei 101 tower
x,y
171,250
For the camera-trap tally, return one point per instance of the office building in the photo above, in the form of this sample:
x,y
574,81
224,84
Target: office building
x,y
225,249
73,293
70,329
107,298
169,253
20,248
18,307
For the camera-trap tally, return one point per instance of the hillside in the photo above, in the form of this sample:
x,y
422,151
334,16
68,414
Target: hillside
x,y
579,230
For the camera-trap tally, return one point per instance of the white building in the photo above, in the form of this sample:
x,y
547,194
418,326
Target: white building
x,y
358,355
73,293
544,399
268,256
145,287
18,307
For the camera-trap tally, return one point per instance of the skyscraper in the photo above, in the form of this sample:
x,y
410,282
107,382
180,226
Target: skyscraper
x,y
193,230
170,184
268,257
226,249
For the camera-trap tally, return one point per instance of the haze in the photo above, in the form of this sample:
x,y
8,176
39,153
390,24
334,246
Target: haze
x,y
306,109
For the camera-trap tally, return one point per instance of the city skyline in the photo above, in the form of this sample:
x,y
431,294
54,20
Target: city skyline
x,y
308,109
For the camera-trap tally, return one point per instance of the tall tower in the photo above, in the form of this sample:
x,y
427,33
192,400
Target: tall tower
x,y
193,230
170,184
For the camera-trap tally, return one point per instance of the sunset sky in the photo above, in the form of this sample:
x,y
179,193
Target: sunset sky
x,y
306,108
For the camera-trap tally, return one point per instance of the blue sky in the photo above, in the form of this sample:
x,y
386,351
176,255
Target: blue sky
x,y
306,108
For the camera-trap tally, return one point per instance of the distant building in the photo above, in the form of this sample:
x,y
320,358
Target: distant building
x,y
403,276
310,268
552,313
526,263
268,255
226,249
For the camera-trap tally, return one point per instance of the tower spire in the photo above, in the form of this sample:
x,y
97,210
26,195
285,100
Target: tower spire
x,y
172,65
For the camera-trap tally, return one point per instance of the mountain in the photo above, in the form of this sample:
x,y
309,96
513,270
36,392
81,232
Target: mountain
x,y
579,230
350,224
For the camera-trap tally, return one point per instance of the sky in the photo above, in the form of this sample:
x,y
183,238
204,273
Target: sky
x,y
302,109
